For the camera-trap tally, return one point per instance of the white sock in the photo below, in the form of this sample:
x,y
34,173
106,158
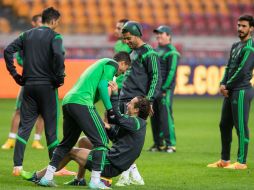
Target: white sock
x,y
37,137
95,176
12,135
19,167
50,172
134,171
126,173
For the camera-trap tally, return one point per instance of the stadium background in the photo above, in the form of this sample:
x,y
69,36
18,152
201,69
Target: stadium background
x,y
203,32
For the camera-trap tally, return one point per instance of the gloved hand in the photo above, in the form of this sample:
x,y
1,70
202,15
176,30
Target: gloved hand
x,y
18,79
59,81
111,116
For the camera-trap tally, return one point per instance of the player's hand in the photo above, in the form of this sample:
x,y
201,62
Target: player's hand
x,y
111,116
58,82
223,90
113,86
19,79
107,126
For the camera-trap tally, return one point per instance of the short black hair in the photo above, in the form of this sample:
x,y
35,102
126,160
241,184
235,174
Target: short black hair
x,y
248,18
50,14
36,17
144,107
124,20
122,56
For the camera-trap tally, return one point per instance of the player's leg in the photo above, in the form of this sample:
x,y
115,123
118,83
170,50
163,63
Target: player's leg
x,y
38,132
79,155
79,180
49,110
93,126
226,126
14,123
156,128
241,106
28,116
71,133
84,142
167,121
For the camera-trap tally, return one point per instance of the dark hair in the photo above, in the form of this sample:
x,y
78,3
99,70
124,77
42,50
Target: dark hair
x,y
122,56
50,14
248,18
124,20
144,107
36,17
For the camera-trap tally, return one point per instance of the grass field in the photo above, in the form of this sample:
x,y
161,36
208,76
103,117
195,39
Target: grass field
x,y
198,143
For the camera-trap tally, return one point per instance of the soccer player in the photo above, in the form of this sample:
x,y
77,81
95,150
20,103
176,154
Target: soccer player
x,y
162,121
120,46
79,115
142,79
43,73
36,22
238,93
128,136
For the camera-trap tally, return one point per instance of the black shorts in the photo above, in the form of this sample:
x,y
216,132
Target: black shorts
x,y
109,170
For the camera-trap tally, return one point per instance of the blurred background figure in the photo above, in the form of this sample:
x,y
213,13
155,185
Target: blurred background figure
x,y
120,45
162,121
10,142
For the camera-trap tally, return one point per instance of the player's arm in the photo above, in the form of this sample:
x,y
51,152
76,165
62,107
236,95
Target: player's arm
x,y
110,70
9,51
225,75
58,52
153,65
172,59
123,120
245,65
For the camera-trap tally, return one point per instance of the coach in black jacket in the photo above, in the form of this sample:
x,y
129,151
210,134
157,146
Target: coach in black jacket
x,y
43,73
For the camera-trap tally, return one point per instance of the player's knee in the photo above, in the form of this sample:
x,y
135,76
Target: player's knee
x,y
84,142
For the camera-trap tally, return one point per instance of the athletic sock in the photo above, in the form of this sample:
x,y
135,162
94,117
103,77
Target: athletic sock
x,y
126,173
50,172
12,135
37,137
134,171
95,176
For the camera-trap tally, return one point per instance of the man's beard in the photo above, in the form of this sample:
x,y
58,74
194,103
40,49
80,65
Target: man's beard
x,y
242,35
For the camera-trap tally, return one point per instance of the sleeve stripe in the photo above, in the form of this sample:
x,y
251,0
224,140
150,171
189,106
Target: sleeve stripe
x,y
137,122
172,72
155,77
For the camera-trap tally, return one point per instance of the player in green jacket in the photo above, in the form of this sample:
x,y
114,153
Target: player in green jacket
x,y
79,115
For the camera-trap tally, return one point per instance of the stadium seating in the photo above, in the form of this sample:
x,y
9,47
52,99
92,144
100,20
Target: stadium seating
x,y
4,25
190,17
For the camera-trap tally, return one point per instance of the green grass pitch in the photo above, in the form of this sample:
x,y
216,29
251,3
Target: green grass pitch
x,y
198,143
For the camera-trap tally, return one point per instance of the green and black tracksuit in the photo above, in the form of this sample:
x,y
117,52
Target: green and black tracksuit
x,y
143,78
128,137
80,115
43,67
162,121
235,109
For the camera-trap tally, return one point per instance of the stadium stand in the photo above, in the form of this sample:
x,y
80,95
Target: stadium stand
x,y
98,16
